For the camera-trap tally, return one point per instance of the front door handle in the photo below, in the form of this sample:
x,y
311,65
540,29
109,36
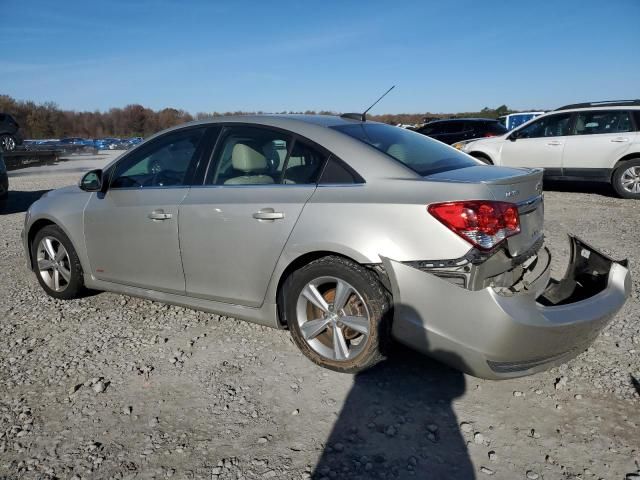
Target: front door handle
x,y
268,214
554,143
620,139
159,215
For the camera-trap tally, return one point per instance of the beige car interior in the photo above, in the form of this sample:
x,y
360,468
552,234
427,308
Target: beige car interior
x,y
251,163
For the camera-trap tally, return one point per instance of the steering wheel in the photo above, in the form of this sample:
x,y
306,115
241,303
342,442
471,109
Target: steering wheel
x,y
166,178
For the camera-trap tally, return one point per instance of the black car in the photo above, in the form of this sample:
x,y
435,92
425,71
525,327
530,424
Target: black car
x,y
9,133
457,129
4,183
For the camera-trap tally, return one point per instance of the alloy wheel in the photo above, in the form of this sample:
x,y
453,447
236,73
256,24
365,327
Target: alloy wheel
x,y
54,265
333,318
7,143
630,179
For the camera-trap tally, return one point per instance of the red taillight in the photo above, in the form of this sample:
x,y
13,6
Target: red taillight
x,y
484,223
489,134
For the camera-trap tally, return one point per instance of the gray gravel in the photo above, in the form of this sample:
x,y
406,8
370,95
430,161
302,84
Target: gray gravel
x,y
115,387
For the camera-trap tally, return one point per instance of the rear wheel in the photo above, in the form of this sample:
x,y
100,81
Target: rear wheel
x,y
337,312
7,143
56,264
626,179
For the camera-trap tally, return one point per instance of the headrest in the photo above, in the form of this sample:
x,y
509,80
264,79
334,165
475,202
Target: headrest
x,y
397,151
246,159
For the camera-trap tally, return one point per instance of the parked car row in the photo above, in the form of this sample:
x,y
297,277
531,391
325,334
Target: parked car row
x,y
77,143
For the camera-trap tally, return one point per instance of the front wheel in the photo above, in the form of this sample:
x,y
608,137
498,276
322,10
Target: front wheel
x,y
56,264
626,179
338,314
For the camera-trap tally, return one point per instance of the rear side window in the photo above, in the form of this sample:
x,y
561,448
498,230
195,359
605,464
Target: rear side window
x,y
636,114
303,165
337,172
249,156
420,153
453,127
600,122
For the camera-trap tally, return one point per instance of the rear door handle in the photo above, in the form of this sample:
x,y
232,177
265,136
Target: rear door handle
x,y
268,214
620,139
159,215
554,143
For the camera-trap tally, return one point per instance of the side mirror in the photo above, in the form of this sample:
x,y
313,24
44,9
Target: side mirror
x,y
92,181
513,137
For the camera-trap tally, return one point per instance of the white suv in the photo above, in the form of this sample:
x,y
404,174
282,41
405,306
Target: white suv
x,y
588,141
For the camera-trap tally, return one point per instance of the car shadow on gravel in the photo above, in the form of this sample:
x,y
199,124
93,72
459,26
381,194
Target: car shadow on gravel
x,y
19,201
599,188
398,422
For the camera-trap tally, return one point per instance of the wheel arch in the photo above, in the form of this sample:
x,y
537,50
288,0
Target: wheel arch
x,y
626,158
34,228
295,264
482,156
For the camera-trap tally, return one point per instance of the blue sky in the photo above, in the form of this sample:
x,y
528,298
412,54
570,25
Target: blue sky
x,y
444,56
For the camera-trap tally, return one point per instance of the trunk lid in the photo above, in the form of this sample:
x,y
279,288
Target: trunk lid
x,y
522,186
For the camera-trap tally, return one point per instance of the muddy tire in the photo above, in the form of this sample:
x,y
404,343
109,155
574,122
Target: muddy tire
x,y
338,314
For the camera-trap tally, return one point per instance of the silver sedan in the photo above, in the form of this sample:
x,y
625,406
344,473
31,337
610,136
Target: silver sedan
x,y
349,233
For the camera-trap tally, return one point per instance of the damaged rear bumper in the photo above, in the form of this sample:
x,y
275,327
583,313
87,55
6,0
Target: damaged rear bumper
x,y
493,333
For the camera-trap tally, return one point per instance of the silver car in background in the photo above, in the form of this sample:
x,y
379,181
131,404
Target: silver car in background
x,y
347,232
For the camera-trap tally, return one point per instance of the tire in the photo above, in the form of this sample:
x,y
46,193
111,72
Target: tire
x,y
7,143
70,282
626,179
367,307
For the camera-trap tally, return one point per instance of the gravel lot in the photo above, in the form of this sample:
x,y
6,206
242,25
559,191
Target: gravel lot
x,y
115,387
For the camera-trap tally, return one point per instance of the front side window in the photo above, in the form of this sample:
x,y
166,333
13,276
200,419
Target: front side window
x,y
166,161
423,155
551,126
598,122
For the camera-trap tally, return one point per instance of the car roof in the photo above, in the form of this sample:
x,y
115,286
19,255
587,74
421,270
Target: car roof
x,y
362,157
463,120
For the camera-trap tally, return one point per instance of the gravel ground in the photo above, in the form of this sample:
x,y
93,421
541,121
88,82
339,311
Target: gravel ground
x,y
110,386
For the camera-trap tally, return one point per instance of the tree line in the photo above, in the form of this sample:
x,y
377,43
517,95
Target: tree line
x,y
47,120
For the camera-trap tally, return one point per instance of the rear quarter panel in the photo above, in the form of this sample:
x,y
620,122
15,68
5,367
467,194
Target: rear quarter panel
x,y
382,218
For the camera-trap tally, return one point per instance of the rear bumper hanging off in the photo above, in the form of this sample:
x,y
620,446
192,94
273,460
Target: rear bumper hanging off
x,y
491,334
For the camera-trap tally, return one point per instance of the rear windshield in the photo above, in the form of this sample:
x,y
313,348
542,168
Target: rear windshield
x,y
422,154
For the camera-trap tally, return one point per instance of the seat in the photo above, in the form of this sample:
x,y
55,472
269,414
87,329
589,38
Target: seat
x,y
252,165
397,151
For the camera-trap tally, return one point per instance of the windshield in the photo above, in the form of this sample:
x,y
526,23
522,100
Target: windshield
x,y
420,153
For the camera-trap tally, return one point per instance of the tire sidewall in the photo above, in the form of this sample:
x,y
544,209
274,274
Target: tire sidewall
x,y
617,177
76,284
373,295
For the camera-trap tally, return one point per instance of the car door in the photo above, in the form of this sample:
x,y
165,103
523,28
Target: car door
x,y
234,227
131,230
538,144
599,139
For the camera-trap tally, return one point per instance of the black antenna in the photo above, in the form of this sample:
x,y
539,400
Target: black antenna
x,y
363,116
